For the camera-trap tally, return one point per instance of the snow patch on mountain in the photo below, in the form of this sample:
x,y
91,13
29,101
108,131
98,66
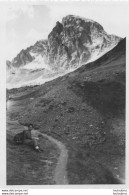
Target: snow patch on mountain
x,y
37,63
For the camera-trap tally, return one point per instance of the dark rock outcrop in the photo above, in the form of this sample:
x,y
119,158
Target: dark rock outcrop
x,y
77,40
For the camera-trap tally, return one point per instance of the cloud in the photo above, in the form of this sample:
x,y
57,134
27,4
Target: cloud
x,y
11,43
13,12
26,24
29,10
34,36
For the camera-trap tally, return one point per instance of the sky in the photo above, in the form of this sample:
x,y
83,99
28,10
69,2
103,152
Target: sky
x,y
27,23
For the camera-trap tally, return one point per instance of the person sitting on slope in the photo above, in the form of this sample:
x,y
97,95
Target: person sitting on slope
x,y
32,135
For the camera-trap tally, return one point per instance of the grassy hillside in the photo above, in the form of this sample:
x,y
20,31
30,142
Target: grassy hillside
x,y
84,109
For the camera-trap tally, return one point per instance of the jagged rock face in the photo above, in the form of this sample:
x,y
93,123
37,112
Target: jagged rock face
x,y
28,55
40,47
70,44
75,41
22,58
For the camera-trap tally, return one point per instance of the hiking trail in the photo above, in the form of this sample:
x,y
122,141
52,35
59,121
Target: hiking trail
x,y
13,127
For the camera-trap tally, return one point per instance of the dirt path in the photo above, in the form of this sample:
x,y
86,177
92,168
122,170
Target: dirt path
x,y
60,173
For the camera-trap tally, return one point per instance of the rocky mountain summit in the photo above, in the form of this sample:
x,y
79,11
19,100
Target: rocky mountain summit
x,y
76,41
70,44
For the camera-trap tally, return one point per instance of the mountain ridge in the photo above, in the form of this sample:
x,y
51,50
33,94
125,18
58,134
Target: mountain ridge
x,y
71,43
75,35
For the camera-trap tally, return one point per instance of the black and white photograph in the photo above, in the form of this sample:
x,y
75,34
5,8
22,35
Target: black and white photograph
x,y
66,93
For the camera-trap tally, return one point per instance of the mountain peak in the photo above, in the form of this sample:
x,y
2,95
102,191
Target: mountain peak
x,y
71,43
76,41
77,20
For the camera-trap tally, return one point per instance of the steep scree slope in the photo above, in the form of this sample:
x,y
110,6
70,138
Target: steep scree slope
x,y
85,110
